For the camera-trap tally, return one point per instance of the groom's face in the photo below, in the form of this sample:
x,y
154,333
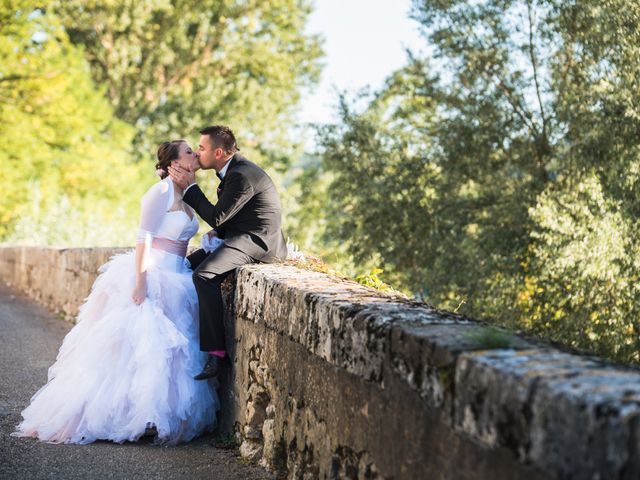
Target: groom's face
x,y
208,155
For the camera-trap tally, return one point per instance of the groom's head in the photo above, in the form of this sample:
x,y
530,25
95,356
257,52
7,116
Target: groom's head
x,y
217,144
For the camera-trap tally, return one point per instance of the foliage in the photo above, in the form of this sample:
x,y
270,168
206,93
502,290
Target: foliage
x,y
581,280
373,280
88,90
501,175
65,161
226,442
172,67
491,337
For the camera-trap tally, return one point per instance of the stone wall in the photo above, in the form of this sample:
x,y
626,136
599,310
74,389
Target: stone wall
x,y
330,379
338,380
59,278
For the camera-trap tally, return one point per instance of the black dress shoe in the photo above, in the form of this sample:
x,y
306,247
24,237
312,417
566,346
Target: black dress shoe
x,y
150,430
211,368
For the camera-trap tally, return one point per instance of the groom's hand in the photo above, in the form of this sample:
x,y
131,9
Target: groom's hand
x,y
182,176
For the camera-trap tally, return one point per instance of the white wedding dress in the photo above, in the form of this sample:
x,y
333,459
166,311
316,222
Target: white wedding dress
x,y
124,366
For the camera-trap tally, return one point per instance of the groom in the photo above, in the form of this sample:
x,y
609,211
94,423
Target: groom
x,y
247,216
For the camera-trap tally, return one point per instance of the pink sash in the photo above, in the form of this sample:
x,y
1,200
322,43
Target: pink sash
x,y
175,247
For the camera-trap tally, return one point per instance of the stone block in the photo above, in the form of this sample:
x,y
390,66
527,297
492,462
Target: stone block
x,y
570,416
251,450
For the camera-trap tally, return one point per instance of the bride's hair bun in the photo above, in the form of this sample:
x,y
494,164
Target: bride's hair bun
x,y
167,152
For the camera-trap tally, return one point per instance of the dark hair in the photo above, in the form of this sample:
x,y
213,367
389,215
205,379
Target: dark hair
x,y
221,137
167,152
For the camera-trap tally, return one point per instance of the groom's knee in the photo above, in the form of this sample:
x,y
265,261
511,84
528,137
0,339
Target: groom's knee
x,y
201,276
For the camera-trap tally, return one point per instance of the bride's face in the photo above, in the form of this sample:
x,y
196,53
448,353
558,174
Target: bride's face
x,y
187,157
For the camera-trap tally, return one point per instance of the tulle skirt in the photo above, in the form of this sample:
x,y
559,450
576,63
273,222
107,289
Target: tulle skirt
x,y
124,366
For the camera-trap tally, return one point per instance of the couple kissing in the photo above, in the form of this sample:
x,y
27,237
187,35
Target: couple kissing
x,y
151,332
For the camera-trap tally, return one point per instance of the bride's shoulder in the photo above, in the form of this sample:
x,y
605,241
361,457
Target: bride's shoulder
x,y
160,187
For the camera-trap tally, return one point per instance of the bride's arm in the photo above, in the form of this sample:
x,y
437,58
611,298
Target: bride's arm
x,y
152,210
140,290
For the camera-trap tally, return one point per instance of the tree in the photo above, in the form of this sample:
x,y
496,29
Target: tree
x,y
583,270
172,67
66,173
500,176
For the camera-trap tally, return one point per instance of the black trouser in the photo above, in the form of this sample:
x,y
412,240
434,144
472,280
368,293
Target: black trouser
x,y
209,270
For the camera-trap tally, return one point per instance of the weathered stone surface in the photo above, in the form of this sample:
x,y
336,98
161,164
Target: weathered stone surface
x,y
425,355
597,412
59,278
572,416
340,321
251,450
331,379
327,421
385,340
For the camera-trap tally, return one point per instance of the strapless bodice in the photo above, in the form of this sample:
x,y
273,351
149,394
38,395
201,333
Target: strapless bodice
x,y
177,226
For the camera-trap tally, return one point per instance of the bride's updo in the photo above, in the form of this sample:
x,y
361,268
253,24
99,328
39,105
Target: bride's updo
x,y
167,153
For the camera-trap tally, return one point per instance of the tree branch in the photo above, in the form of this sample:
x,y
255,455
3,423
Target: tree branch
x,y
517,107
534,64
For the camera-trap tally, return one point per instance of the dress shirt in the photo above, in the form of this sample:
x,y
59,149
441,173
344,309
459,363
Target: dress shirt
x,y
223,170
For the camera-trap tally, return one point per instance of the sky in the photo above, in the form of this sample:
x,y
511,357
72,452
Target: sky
x,y
364,41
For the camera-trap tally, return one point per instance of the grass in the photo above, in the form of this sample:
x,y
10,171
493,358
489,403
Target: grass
x,y
370,279
226,442
491,337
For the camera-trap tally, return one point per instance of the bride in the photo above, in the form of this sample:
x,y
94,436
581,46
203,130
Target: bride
x,y
129,362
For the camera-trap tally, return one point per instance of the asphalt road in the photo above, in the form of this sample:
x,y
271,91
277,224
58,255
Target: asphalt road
x,y
29,342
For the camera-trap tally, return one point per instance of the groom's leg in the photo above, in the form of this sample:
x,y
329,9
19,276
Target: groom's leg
x,y
207,278
196,258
